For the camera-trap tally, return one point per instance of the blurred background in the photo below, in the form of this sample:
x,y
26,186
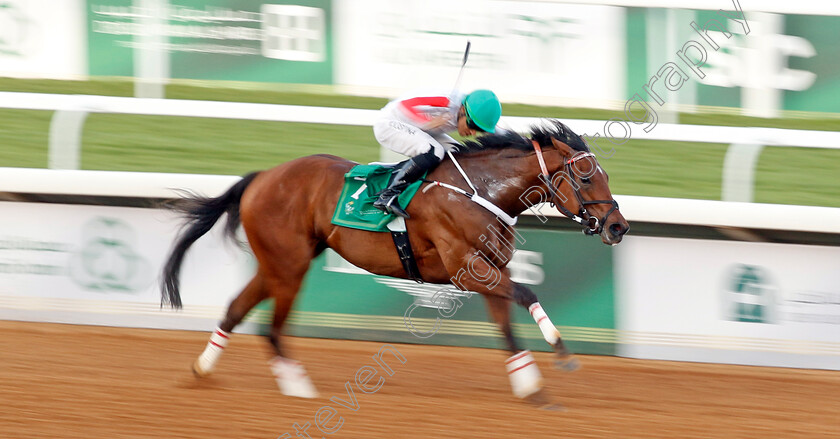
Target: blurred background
x,y
569,60
738,109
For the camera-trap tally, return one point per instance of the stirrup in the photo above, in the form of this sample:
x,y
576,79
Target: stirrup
x,y
391,204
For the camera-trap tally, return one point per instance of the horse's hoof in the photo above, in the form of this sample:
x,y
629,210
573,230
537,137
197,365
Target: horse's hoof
x,y
199,372
292,378
568,364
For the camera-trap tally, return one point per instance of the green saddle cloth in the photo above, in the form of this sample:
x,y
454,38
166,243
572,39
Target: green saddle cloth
x,y
361,186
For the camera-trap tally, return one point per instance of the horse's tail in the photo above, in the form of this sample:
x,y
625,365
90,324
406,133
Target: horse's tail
x,y
201,213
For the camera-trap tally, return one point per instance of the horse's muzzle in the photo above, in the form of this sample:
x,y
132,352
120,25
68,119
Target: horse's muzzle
x,y
617,230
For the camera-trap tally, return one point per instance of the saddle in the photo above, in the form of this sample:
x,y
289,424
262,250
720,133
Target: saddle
x,y
361,188
355,209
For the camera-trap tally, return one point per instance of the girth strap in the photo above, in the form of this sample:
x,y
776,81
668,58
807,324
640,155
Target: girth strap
x,y
407,259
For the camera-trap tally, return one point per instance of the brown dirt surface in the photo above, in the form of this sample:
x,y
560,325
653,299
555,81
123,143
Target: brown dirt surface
x,y
65,381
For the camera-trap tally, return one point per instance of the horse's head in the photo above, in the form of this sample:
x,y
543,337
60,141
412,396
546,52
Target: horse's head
x,y
577,184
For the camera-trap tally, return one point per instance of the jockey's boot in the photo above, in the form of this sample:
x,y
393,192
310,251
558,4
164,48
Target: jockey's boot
x,y
409,171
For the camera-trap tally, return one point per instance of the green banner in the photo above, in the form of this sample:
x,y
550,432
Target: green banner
x,y
789,58
822,34
571,274
233,40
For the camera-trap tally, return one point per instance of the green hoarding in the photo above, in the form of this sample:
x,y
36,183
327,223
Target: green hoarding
x,y
232,40
822,34
791,57
571,274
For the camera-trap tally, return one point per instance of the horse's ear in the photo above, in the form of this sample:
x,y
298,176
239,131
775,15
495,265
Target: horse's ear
x,y
565,150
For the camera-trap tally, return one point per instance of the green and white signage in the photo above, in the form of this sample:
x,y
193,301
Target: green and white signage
x,y
232,40
42,39
754,303
75,256
768,64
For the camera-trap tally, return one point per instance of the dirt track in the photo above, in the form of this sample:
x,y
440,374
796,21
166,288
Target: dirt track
x,y
63,381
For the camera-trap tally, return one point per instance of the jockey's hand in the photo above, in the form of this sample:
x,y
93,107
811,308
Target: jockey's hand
x,y
436,122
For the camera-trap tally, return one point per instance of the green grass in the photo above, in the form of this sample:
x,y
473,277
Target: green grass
x,y
224,146
666,169
24,138
213,146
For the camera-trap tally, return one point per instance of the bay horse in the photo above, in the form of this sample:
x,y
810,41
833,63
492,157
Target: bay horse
x,y
286,214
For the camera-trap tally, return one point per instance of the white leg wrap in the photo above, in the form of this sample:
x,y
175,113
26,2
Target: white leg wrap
x,y
550,333
525,377
292,378
207,360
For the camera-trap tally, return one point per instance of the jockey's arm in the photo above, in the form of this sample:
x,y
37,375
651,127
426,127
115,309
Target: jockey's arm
x,y
412,108
435,123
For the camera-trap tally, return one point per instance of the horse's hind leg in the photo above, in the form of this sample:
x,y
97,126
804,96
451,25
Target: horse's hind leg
x,y
283,277
290,374
525,297
251,295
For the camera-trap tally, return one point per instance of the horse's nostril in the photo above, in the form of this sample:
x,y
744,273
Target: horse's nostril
x,y
617,229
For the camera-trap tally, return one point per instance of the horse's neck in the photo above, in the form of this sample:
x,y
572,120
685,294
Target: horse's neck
x,y
500,177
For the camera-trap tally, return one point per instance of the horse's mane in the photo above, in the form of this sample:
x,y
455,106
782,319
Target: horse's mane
x,y
553,128
542,133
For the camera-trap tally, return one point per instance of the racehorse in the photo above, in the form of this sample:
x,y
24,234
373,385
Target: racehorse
x,y
286,214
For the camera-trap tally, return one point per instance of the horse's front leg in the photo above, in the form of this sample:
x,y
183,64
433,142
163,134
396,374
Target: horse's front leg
x,y
525,297
482,276
525,377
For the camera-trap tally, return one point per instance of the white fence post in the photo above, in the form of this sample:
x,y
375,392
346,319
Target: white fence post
x,y
739,172
151,60
66,139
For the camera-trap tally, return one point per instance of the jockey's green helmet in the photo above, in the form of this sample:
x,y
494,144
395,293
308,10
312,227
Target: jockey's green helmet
x,y
483,109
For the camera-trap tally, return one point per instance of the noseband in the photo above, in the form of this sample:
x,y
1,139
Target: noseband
x,y
592,225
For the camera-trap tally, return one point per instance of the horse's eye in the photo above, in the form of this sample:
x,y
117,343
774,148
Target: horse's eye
x,y
585,180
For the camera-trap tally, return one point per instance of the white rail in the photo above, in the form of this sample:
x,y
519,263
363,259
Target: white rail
x,y
111,183
746,143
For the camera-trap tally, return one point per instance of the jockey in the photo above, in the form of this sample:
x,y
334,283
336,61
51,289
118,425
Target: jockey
x,y
417,126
